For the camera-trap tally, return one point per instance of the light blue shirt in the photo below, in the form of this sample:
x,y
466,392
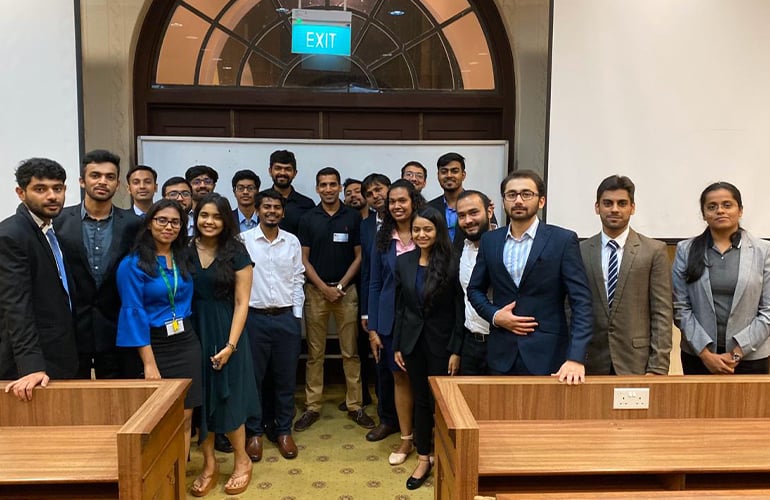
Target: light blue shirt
x,y
516,251
246,223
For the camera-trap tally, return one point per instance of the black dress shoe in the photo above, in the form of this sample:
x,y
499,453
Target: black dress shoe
x,y
380,432
342,406
306,420
221,443
270,432
361,418
415,482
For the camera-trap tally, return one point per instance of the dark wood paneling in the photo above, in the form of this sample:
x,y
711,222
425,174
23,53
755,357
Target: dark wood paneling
x,y
190,122
463,126
372,126
277,124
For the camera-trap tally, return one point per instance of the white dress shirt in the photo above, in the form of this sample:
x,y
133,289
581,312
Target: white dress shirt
x,y
473,321
621,241
278,271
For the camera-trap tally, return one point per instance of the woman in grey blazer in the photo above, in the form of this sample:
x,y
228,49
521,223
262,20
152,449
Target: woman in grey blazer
x,y
722,291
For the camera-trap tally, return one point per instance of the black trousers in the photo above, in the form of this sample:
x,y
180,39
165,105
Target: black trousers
x,y
473,360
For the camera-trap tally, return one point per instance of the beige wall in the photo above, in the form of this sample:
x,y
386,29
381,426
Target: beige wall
x,y
110,29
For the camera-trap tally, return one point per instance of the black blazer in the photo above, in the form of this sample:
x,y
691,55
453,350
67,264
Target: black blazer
x,y
442,324
36,324
96,308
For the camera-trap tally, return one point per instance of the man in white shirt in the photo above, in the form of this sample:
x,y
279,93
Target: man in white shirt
x,y
275,310
474,213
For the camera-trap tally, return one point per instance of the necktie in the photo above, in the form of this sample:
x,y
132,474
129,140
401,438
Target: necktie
x,y
612,271
59,260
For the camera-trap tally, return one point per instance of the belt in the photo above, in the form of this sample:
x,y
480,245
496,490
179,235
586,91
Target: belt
x,y
478,337
271,311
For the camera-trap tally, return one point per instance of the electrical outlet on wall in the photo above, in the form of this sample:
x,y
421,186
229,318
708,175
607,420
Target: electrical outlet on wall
x,y
633,398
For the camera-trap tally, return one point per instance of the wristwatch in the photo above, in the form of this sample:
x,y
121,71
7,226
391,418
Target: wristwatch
x,y
736,357
340,287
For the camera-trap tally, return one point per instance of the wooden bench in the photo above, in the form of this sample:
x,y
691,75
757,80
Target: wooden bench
x,y
94,440
530,435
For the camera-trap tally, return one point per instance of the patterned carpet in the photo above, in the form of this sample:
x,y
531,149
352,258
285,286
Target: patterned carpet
x,y
335,462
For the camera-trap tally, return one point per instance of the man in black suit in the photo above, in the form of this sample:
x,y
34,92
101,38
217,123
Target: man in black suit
x,y
95,235
246,185
37,337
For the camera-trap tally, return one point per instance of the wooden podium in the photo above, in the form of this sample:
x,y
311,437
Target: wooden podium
x,y
94,439
532,437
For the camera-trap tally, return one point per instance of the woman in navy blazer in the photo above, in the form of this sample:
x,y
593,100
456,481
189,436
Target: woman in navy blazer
x,y
428,332
722,291
393,238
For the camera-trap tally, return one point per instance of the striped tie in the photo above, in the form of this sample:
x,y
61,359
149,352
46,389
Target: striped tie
x,y
612,271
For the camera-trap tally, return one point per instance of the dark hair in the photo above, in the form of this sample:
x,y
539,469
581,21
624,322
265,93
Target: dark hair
x,y
696,259
472,192
350,181
144,168
447,158
327,171
272,194
614,183
525,174
42,168
242,175
228,246
415,163
198,170
283,156
172,181
383,238
437,274
99,156
374,179
144,245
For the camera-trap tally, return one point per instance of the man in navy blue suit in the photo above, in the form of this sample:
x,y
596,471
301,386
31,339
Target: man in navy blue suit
x,y
531,267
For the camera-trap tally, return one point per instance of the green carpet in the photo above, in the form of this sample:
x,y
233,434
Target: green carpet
x,y
335,462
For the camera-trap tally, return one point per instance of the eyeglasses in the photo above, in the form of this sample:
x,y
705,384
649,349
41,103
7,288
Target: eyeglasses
x,y
245,189
165,221
526,195
177,194
414,175
206,181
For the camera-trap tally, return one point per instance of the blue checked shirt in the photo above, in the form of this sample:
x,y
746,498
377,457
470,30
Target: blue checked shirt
x,y
516,252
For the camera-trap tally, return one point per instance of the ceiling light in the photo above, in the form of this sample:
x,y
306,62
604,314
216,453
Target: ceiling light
x,y
396,13
283,10
191,37
227,67
176,25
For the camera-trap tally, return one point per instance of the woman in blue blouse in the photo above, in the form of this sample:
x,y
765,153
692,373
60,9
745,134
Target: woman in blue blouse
x,y
156,290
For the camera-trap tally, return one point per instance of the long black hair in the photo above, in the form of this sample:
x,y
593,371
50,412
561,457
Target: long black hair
x,y
696,259
228,245
144,245
437,275
384,235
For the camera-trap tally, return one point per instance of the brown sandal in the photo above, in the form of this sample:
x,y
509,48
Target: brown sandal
x,y
239,489
205,484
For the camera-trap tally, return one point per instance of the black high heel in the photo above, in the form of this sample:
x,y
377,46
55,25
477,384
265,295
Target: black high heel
x,y
415,482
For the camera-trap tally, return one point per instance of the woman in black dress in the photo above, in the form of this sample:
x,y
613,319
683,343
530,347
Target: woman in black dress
x,y
222,277
427,336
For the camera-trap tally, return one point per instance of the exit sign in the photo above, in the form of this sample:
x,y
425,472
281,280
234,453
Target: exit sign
x,y
320,32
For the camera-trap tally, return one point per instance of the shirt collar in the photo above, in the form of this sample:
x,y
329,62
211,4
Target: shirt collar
x,y
242,218
620,240
258,234
84,213
39,222
531,230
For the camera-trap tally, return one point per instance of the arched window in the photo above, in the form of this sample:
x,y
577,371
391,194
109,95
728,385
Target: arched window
x,y
418,69
396,45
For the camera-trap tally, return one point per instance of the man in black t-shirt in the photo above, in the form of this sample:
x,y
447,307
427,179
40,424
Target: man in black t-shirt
x,y
331,254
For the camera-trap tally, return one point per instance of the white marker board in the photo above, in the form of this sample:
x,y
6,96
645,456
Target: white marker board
x,y
674,94
485,161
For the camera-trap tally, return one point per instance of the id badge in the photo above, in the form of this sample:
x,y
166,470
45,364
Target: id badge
x,y
340,237
174,326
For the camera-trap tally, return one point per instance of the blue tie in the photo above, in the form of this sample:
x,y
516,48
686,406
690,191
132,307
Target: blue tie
x,y
612,271
59,261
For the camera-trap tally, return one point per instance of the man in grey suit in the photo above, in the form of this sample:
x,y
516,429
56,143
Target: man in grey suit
x,y
630,279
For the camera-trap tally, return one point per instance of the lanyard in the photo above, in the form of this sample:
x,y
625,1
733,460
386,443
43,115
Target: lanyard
x,y
171,293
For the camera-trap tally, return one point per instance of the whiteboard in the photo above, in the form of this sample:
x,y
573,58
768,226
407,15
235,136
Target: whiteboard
x,y
485,161
39,90
674,94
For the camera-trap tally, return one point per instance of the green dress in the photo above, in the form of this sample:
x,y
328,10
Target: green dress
x,y
229,394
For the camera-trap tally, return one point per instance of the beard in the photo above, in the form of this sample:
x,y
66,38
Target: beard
x,y
483,228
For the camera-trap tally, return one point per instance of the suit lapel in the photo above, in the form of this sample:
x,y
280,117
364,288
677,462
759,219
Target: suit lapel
x,y
630,249
499,258
24,213
595,263
118,233
538,245
410,276
745,269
